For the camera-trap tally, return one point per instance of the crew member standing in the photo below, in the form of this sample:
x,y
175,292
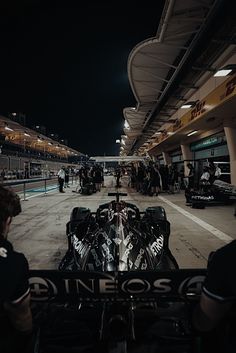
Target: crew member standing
x,y
190,176
61,178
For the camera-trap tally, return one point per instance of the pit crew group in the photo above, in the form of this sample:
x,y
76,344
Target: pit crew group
x,y
91,179
151,179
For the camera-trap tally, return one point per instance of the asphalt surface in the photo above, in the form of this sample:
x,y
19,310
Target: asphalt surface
x,y
40,230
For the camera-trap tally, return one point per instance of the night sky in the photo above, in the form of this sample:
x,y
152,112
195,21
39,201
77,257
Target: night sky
x,y
65,66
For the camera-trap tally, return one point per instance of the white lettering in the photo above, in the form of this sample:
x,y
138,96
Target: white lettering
x,y
135,286
84,285
161,287
108,286
157,246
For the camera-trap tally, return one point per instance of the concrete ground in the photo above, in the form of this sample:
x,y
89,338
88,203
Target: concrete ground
x,y
40,230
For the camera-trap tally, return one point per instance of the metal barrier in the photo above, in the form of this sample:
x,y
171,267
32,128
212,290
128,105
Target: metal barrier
x,y
29,181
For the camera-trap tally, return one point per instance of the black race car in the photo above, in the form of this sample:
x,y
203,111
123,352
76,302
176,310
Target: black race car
x,y
114,291
219,192
118,237
117,292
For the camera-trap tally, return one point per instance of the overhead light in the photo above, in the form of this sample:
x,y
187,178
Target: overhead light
x,y
8,128
225,70
14,114
190,104
133,108
126,125
39,140
49,143
117,141
192,133
25,133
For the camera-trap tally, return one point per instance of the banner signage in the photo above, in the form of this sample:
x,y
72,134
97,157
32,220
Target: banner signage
x,y
56,286
218,96
206,143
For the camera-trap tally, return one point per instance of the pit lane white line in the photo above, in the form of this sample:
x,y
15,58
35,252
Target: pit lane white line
x,y
216,232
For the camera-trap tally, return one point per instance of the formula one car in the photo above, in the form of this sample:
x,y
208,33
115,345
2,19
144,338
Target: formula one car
x,y
219,192
115,288
118,237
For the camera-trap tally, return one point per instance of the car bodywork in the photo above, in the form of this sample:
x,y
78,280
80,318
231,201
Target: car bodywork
x,y
219,192
118,237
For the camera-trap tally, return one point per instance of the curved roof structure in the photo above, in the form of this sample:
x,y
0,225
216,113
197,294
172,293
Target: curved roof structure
x,y
167,69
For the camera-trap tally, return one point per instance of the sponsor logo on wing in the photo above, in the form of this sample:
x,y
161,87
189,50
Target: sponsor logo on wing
x,y
42,289
139,258
157,246
202,198
95,257
144,265
191,285
107,252
126,253
79,246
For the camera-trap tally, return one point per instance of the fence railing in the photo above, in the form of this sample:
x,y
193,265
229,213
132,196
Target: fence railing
x,y
27,185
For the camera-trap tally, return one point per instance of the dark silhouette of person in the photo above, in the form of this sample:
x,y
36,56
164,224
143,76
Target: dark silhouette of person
x,y
15,312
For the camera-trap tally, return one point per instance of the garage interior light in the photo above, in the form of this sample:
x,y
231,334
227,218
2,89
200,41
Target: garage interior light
x,y
8,128
189,105
192,133
226,70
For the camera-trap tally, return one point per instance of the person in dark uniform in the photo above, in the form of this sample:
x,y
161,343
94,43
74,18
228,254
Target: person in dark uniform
x,y
216,311
118,176
15,312
155,179
67,177
190,176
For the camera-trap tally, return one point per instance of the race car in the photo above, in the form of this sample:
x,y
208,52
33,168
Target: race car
x,y
118,288
219,192
118,237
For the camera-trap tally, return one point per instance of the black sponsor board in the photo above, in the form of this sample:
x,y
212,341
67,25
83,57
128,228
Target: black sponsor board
x,y
59,286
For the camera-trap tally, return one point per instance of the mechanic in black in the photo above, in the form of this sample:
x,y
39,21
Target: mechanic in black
x,y
190,176
15,312
218,293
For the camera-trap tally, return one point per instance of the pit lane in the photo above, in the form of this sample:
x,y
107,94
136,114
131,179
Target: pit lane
x,y
39,231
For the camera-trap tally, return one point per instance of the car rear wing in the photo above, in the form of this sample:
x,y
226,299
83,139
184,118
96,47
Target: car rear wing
x,y
82,286
117,195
